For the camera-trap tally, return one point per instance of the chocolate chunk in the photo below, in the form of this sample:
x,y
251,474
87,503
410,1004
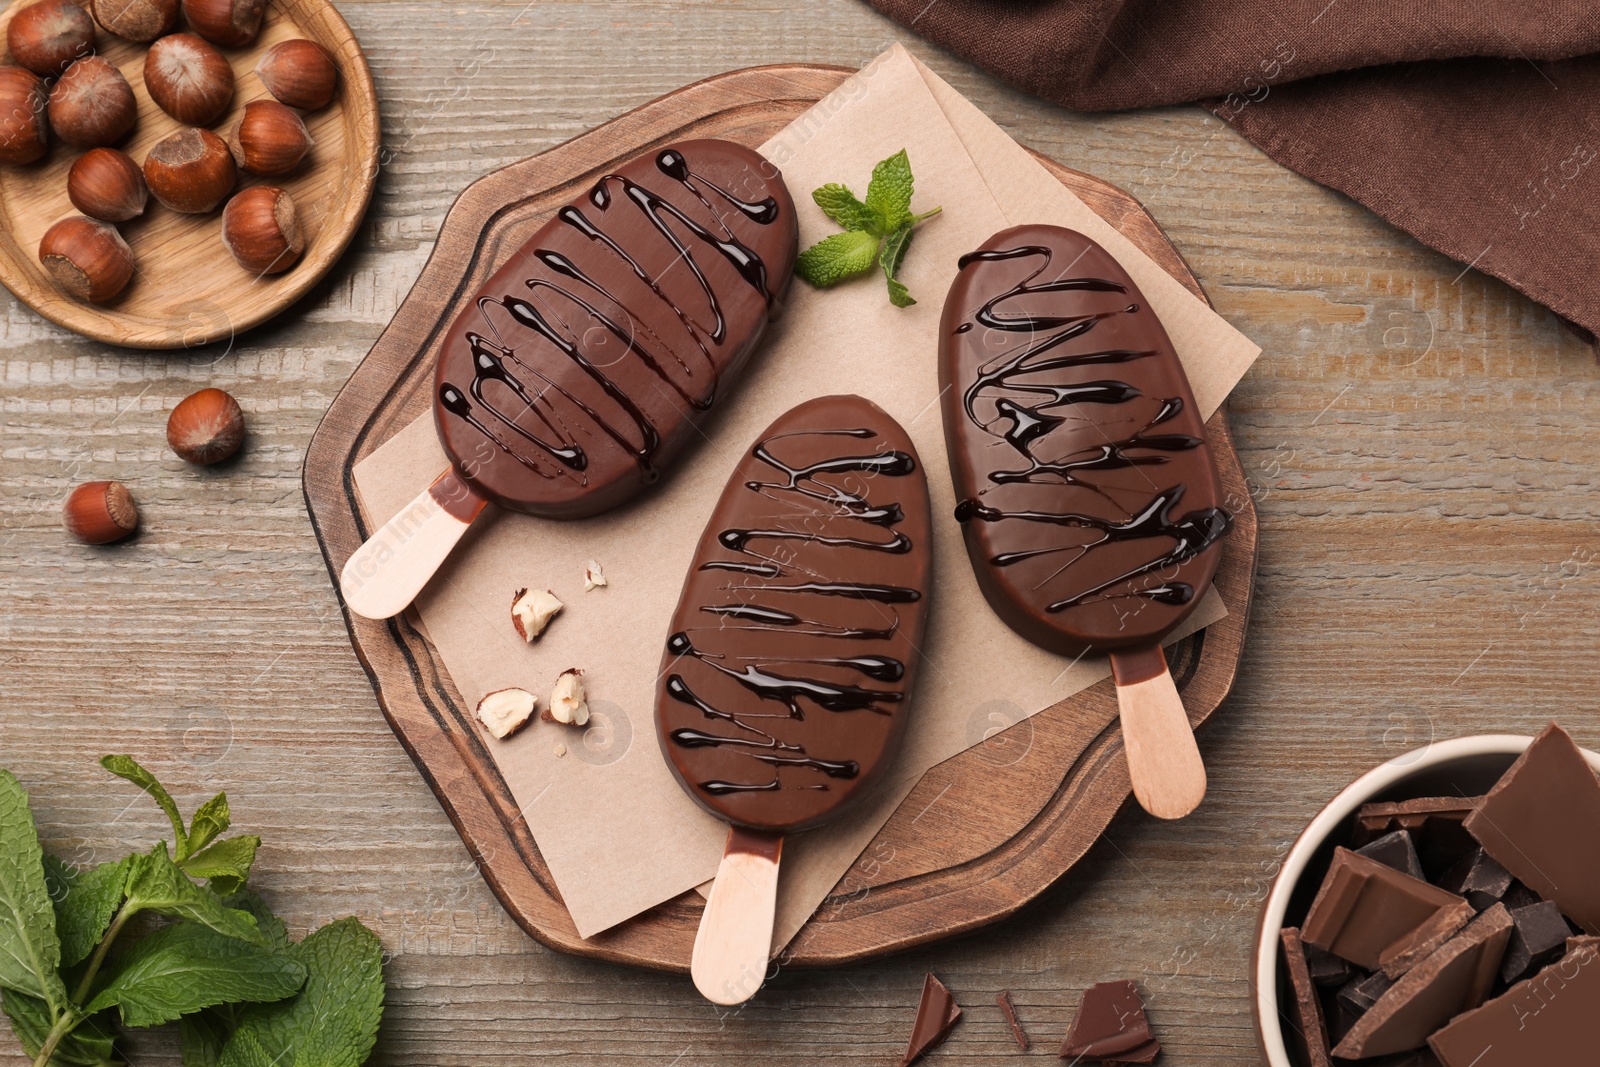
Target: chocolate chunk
x,y
1338,1015
1478,878
1087,495
1111,1026
1394,850
787,679
1538,936
1365,910
937,1015
1549,1020
588,362
1454,979
1411,950
1519,896
1009,1010
1417,1057
1541,821
1360,994
1327,970
1433,822
1305,1014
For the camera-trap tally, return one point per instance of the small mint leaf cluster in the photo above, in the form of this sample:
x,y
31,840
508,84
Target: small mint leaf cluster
x,y
877,231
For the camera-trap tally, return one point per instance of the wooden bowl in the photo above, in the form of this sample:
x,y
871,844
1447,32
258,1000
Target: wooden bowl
x,y
187,289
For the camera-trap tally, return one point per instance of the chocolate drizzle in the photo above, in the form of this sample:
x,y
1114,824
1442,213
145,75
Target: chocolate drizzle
x,y
1033,407
778,623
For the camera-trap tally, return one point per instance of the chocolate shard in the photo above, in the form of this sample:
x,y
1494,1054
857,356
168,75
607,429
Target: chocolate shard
x,y
1541,821
1365,910
1361,993
1538,935
1454,979
1434,824
1411,950
1111,1026
1305,1014
1018,1034
1519,896
1327,970
1396,850
1478,878
937,1015
1545,1021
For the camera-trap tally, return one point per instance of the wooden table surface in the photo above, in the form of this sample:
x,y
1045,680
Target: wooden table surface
x,y
1420,440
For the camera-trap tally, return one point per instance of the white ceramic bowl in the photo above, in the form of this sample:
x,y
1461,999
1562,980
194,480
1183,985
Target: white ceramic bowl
x,y
1466,766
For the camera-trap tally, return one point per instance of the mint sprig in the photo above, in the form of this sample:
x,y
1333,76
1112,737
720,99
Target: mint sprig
x,y
877,231
223,965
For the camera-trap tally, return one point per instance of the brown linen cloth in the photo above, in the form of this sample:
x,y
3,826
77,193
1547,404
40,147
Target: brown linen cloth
x,y
1472,125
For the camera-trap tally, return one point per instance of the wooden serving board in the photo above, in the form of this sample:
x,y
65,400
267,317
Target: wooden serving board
x,y
187,289
1013,814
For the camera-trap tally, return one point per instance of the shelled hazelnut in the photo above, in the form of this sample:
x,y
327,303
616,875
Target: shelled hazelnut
x,y
299,73
190,171
87,258
92,104
105,184
188,79
24,133
206,428
261,227
98,513
136,20
230,23
46,37
269,138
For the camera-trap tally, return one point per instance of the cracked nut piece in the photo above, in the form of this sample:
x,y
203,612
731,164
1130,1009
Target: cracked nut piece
x,y
569,703
505,711
532,610
593,576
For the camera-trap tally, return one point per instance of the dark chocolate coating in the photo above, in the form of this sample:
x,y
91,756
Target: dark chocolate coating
x,y
793,651
588,361
1087,494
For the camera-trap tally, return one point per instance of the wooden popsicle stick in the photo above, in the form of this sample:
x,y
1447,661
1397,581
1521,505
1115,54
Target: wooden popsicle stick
x,y
384,575
734,942
1169,777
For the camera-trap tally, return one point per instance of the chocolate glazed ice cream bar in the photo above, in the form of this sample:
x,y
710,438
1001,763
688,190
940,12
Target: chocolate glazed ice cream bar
x,y
1088,498
790,659
578,374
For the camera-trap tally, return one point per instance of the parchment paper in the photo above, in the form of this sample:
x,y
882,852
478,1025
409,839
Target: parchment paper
x,y
618,833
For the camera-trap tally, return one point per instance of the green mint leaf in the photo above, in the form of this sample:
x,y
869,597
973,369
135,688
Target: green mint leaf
x,y
333,1022
833,259
226,864
30,955
894,251
127,767
270,926
840,204
157,884
85,902
89,1044
185,967
202,1035
209,822
889,192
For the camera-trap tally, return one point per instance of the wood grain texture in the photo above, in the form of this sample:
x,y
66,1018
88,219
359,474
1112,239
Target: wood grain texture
x,y
187,289
1419,441
1015,844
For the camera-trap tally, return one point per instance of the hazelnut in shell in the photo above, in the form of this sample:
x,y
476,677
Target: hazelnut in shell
x,y
188,79
206,428
136,20
230,23
92,104
46,37
98,513
24,133
87,259
261,228
105,184
269,138
299,73
190,171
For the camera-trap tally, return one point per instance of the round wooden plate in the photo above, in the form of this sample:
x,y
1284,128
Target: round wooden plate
x,y
187,289
981,835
